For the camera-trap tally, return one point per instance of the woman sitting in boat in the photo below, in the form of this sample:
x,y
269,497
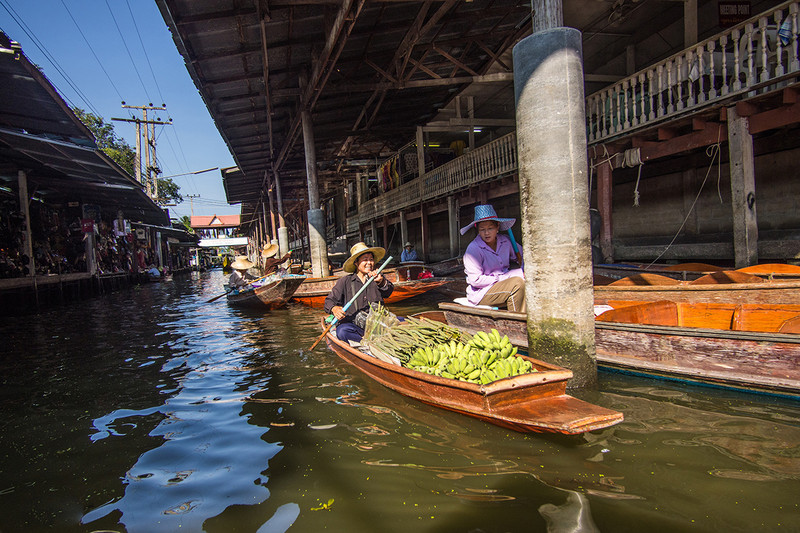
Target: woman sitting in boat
x,y
240,276
361,265
271,259
487,260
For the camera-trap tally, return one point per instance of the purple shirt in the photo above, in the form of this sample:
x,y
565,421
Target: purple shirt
x,y
484,267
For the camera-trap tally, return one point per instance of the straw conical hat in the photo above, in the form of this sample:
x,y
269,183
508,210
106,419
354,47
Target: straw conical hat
x,y
359,249
269,250
241,263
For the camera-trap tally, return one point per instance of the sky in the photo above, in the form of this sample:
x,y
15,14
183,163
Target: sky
x,y
99,53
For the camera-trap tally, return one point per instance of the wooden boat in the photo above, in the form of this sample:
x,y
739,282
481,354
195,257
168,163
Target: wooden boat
x,y
447,267
727,286
692,271
314,290
534,402
269,296
754,348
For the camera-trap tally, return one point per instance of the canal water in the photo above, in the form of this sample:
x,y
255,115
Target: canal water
x,y
150,410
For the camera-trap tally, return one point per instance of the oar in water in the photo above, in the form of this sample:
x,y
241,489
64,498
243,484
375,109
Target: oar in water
x,y
333,319
215,298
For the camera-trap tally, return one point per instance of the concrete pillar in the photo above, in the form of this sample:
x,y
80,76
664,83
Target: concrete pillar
x,y
605,207
743,190
283,231
420,151
553,181
24,207
359,192
452,217
159,252
316,218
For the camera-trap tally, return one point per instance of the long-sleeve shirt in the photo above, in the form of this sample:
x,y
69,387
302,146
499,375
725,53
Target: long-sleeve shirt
x,y
347,286
484,267
238,280
271,263
408,255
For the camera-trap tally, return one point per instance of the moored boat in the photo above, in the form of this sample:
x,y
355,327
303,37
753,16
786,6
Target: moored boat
x,y
270,295
534,402
692,271
754,348
313,291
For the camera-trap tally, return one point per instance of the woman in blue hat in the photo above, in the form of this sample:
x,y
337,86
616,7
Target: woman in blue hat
x,y
487,261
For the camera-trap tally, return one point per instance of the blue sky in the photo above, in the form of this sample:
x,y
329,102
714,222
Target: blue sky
x,y
130,57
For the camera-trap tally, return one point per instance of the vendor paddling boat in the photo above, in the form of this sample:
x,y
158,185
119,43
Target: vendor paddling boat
x,y
753,348
530,402
270,293
314,290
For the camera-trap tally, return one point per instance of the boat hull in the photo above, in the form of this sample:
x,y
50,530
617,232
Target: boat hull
x,y
749,361
767,292
270,296
533,402
314,290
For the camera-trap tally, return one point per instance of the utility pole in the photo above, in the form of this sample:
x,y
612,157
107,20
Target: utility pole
x,y
150,178
191,198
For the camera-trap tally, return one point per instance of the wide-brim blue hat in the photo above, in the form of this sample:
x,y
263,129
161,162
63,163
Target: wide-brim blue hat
x,y
486,212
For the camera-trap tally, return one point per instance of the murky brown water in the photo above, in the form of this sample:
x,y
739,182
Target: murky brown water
x,y
149,410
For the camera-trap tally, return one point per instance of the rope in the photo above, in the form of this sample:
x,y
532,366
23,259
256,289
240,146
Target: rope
x,y
633,157
713,152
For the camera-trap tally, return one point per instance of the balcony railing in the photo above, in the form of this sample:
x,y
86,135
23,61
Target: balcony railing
x,y
758,55
491,160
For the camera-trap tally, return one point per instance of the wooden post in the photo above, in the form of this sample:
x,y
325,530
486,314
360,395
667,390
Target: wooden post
x,y
373,233
452,218
743,190
425,232
386,233
604,206
547,14
24,207
403,228
137,163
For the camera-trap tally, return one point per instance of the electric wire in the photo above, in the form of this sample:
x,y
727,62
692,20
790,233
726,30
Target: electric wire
x,y
24,27
130,56
92,50
146,56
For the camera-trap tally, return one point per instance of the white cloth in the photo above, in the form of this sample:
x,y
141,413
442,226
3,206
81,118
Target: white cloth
x,y
465,302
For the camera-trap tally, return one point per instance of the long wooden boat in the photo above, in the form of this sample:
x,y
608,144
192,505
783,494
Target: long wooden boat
x,y
730,287
534,402
268,296
754,348
313,291
692,271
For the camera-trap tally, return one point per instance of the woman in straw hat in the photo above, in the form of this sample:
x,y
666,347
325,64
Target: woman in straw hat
x,y
360,266
487,260
240,276
271,259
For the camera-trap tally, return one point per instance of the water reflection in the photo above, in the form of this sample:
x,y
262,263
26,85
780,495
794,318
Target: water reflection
x,y
149,410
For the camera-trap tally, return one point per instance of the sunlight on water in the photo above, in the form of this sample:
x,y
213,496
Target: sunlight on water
x,y
151,410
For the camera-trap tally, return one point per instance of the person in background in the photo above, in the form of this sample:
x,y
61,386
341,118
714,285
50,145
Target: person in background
x,y
487,261
271,261
409,253
240,275
360,266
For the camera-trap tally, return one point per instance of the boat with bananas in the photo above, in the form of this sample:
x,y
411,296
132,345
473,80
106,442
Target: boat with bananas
x,y
747,347
270,293
313,291
480,376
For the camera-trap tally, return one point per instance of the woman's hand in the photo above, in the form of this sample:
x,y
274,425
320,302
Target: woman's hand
x,y
378,277
338,312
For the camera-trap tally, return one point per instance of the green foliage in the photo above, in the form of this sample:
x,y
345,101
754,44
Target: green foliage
x,y
123,154
186,221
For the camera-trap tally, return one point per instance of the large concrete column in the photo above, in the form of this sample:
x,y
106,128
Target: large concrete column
x,y
283,231
316,218
551,139
24,207
452,217
743,190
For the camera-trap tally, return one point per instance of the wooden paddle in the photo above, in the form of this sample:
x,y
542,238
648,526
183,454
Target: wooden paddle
x,y
333,319
215,298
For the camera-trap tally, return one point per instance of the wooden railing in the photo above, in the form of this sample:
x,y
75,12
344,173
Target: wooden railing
x,y
758,55
491,160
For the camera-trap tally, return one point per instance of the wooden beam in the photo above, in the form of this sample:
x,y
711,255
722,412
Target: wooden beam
x,y
713,134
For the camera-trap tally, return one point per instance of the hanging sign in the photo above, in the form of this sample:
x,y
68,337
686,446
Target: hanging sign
x,y
87,225
732,12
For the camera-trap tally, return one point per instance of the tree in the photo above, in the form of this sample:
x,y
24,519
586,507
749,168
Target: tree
x,y
123,154
187,223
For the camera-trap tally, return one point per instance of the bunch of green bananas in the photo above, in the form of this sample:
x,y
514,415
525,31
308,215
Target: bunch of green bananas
x,y
483,359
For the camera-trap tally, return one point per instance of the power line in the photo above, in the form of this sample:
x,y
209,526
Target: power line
x,y
24,27
125,44
146,56
92,50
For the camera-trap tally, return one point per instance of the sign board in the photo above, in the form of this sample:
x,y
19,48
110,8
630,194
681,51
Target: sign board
x,y
732,12
87,225
92,212
140,234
